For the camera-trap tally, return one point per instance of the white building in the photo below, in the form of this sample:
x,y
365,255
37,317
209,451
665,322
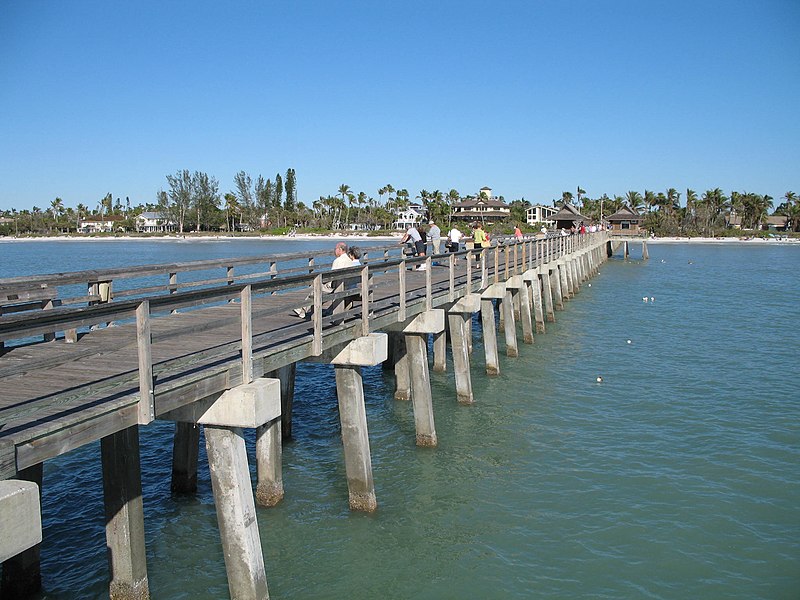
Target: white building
x,y
539,213
104,224
484,208
153,222
412,215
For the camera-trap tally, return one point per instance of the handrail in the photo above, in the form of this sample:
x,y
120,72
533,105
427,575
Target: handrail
x,y
64,316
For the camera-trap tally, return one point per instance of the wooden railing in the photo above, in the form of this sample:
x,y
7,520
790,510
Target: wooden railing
x,y
274,274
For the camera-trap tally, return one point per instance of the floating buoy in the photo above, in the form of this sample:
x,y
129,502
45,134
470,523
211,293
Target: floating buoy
x,y
590,285
629,341
652,299
644,299
599,380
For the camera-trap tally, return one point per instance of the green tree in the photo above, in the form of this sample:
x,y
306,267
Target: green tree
x,y
290,204
205,197
180,195
57,208
634,200
244,196
278,199
344,190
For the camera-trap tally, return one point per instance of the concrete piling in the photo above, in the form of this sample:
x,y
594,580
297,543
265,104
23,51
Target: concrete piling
x,y
122,491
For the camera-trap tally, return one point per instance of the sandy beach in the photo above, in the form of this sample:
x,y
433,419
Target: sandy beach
x,y
777,239
722,240
203,238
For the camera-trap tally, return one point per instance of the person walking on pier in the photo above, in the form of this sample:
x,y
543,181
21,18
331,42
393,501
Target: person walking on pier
x,y
435,237
454,239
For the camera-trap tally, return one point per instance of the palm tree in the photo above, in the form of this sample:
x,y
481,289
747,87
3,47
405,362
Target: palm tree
x,y
566,197
344,190
580,193
57,208
634,200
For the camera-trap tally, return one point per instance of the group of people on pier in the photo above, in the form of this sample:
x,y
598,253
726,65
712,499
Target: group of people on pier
x,y
417,238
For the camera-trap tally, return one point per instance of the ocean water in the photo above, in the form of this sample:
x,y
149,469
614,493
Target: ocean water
x,y
676,477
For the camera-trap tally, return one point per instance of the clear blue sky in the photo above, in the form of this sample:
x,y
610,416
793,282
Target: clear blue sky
x,y
529,98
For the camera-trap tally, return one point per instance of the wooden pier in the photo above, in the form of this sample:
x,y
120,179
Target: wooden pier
x,y
96,355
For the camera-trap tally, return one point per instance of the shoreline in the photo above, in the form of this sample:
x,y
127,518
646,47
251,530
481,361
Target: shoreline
x,y
202,238
719,240
782,239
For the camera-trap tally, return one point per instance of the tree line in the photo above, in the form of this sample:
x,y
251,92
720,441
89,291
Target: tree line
x,y
705,214
192,201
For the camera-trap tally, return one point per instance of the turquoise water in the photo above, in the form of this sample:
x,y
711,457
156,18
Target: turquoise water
x,y
678,476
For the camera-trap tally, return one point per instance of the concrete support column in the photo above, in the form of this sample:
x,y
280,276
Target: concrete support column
x,y
566,278
286,376
574,265
510,325
645,254
555,285
421,397
570,277
269,463
185,449
468,333
122,491
440,351
525,312
535,291
22,577
355,438
461,367
489,337
547,292
236,512
401,371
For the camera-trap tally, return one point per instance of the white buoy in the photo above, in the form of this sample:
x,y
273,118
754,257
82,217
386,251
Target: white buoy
x,y
644,299
590,285
652,299
599,380
629,341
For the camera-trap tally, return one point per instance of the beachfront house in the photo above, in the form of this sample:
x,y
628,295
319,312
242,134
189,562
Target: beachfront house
x,y
101,224
413,214
568,216
154,222
540,214
484,208
625,221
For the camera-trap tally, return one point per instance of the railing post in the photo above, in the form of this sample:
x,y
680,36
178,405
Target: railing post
x,y
451,267
401,276
246,296
228,274
428,286
484,269
317,316
365,300
147,409
468,256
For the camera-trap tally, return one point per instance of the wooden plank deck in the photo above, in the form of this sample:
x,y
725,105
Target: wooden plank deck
x,y
57,396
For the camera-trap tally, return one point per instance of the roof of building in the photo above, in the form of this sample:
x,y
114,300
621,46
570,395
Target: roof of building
x,y
103,219
569,213
626,213
480,201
